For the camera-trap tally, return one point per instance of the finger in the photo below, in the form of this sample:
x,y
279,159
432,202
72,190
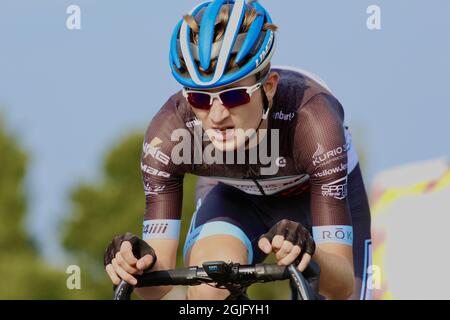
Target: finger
x,y
126,250
277,242
144,262
285,250
112,274
310,247
304,263
139,273
124,265
123,274
290,258
265,245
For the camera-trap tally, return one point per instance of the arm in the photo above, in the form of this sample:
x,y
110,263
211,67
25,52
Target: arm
x,y
163,187
166,253
336,275
322,153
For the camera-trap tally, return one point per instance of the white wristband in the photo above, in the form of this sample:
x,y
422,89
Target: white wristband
x,y
333,234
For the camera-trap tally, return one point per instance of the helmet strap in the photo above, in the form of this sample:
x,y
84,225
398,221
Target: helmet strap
x,y
264,116
266,108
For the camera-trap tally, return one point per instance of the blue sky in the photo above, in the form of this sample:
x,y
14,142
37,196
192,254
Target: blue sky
x,y
70,95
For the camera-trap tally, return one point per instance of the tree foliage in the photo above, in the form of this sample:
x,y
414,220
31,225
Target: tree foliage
x,y
113,206
25,274
13,161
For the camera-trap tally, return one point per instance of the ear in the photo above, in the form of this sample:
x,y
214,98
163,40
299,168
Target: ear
x,y
271,84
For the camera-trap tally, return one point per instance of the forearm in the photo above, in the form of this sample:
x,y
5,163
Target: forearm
x,y
166,259
156,293
336,274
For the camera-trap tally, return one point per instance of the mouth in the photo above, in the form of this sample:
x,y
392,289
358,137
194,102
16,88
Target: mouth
x,y
223,134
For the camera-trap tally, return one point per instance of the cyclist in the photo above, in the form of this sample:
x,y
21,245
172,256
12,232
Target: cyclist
x,y
303,199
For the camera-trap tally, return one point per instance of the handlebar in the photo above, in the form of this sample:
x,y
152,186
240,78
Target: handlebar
x,y
228,274
192,276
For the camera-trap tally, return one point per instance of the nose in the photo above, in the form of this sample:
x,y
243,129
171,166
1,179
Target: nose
x,y
218,113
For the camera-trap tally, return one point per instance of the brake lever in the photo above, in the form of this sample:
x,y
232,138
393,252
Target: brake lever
x,y
123,291
303,287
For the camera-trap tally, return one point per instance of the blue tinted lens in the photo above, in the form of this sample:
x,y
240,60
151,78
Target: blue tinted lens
x,y
199,100
235,98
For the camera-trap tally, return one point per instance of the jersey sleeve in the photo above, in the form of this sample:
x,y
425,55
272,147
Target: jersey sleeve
x,y
162,179
321,151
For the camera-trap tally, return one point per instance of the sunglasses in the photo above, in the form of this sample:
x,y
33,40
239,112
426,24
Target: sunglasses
x,y
229,98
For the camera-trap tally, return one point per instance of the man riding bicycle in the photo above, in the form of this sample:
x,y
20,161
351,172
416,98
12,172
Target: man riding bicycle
x,y
276,165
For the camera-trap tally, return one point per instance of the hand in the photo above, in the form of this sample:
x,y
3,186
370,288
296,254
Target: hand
x,y
127,255
291,243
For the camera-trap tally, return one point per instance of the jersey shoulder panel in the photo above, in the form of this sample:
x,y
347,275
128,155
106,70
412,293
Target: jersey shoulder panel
x,y
172,120
295,88
319,129
302,101
171,116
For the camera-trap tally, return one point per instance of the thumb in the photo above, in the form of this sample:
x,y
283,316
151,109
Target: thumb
x,y
265,245
144,262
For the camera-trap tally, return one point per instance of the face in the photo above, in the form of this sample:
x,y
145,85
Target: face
x,y
226,127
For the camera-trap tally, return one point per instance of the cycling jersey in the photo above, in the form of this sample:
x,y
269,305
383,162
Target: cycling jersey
x,y
313,153
311,158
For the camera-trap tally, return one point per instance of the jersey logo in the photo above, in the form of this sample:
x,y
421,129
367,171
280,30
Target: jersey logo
x,y
320,150
152,149
148,189
269,186
283,116
336,189
328,172
161,229
155,228
333,234
193,123
281,162
147,169
320,157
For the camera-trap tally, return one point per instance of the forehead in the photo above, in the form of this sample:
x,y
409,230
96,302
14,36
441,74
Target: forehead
x,y
248,81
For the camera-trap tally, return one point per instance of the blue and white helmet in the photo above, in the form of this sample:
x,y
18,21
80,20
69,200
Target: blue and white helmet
x,y
252,50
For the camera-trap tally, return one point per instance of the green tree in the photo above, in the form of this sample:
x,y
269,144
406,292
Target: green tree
x,y
25,274
13,161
